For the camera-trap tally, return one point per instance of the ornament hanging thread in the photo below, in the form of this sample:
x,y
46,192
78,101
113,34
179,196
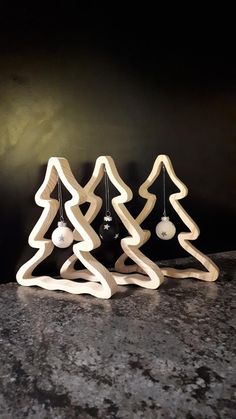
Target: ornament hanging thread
x,y
108,230
165,229
62,236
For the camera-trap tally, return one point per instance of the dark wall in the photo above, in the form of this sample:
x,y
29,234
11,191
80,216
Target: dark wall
x,y
121,84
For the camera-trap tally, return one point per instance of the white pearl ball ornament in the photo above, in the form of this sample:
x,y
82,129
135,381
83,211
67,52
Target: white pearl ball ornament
x,y
165,229
62,236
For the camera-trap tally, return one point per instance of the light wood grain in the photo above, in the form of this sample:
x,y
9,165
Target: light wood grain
x,y
184,238
153,276
105,285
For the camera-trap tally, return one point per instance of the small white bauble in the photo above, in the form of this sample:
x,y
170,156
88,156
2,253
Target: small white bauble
x,y
62,236
165,229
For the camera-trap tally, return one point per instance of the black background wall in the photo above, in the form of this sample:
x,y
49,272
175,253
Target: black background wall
x,y
130,83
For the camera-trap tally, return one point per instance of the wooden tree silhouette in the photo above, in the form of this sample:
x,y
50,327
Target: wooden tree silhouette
x,y
152,277
106,286
184,238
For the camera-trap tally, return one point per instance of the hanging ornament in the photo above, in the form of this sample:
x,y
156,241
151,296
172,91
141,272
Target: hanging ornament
x,y
62,236
109,229
165,229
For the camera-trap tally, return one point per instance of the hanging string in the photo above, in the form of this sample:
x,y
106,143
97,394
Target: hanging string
x,y
59,190
164,189
107,193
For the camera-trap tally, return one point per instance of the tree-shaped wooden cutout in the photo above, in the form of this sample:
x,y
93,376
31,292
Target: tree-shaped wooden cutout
x,y
184,238
152,277
58,168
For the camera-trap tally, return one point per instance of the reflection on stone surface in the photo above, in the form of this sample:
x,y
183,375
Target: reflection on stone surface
x,y
143,354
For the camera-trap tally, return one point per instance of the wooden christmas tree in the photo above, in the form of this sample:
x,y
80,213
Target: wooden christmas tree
x,y
152,277
184,238
105,285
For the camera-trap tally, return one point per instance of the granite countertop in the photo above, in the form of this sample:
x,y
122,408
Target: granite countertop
x,y
168,353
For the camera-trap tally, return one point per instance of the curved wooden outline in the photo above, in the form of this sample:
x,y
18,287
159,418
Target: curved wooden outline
x,y
59,167
152,277
183,237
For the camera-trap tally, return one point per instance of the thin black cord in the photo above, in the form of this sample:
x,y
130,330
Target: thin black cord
x,y
107,192
164,189
59,189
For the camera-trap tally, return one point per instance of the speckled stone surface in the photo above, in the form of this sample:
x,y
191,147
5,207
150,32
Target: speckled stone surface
x,y
168,353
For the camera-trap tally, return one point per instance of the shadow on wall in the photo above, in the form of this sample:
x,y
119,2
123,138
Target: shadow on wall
x,y
12,236
20,213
